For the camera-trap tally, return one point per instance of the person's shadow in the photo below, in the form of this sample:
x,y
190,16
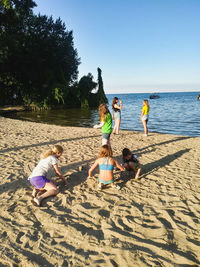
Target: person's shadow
x,y
153,166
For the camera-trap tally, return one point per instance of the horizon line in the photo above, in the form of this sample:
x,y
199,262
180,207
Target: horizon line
x,y
154,92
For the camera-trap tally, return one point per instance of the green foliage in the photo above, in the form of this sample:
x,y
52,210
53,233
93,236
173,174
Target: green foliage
x,y
38,61
58,95
86,85
37,54
84,104
5,3
101,94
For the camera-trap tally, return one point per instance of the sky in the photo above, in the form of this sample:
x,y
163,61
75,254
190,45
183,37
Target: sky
x,y
140,45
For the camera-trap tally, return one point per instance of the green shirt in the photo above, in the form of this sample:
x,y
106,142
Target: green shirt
x,y
107,128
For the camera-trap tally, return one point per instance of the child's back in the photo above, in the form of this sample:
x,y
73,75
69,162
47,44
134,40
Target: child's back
x,y
106,163
106,166
44,166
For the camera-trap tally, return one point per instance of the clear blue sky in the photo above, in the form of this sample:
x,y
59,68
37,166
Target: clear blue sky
x,y
140,45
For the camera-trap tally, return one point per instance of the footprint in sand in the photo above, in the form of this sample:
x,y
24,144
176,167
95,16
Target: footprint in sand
x,y
104,213
18,237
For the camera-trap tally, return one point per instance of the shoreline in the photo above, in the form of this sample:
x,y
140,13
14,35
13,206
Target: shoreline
x,y
10,109
128,130
151,221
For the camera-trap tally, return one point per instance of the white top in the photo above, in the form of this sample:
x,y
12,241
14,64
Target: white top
x,y
44,166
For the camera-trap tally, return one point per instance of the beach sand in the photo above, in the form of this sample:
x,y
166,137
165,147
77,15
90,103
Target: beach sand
x,y
154,221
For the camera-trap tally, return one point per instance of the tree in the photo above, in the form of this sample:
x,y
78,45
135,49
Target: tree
x,y
86,85
12,18
38,61
101,94
54,62
5,3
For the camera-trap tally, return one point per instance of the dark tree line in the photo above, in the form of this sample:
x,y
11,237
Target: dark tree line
x,y
38,61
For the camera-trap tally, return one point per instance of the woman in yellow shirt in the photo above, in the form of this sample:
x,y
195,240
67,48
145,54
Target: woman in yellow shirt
x,y
145,116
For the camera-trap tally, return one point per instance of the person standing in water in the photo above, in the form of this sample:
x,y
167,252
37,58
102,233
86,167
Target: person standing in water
x,y
145,116
116,114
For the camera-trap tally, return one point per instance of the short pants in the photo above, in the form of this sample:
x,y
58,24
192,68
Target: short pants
x,y
106,136
145,118
39,181
117,115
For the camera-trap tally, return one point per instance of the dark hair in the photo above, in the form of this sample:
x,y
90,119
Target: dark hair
x,y
114,102
126,152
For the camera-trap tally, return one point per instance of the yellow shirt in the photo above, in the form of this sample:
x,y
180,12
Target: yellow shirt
x,y
146,110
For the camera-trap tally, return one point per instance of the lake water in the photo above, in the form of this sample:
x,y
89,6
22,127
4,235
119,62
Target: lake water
x,y
172,113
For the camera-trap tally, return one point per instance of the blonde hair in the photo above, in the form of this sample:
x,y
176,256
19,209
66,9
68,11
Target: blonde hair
x,y
103,111
55,149
146,102
105,151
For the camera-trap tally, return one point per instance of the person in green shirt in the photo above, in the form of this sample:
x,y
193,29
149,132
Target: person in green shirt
x,y
105,124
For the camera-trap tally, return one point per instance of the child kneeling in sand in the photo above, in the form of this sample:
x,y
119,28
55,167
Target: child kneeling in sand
x,y
38,179
131,162
106,164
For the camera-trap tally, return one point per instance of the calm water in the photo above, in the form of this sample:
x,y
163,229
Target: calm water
x,y
172,113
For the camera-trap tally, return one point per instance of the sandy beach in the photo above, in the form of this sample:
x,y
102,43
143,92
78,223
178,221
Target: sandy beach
x,y
153,221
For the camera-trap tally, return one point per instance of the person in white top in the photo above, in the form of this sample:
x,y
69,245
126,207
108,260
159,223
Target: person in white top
x,y
38,178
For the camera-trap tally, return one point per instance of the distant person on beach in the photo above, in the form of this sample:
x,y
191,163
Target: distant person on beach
x,y
38,179
105,123
131,162
106,163
145,116
116,114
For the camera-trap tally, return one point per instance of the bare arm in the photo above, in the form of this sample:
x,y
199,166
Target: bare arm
x,y
92,168
119,166
142,114
120,105
57,171
99,125
138,171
